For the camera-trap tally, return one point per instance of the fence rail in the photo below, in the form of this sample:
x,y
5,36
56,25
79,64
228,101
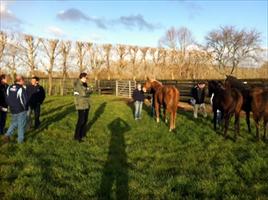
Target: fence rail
x,y
125,88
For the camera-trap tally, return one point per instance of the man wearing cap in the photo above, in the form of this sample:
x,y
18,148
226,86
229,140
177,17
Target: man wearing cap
x,y
198,94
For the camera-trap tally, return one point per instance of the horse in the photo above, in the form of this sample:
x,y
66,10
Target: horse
x,y
229,101
233,82
166,96
259,106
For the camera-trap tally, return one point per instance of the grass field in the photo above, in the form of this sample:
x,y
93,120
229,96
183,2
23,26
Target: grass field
x,y
126,159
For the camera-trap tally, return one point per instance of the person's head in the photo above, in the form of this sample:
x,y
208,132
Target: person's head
x,y
139,86
3,79
35,80
19,80
83,77
201,84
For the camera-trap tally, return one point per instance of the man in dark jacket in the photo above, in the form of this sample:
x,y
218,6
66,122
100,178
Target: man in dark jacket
x,y
81,101
16,98
3,103
198,94
36,95
138,97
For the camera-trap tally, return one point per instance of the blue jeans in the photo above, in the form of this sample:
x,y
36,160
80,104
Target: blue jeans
x,y
138,109
18,121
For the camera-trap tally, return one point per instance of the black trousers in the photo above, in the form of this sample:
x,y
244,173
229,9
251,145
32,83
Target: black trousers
x,y
3,117
37,109
81,126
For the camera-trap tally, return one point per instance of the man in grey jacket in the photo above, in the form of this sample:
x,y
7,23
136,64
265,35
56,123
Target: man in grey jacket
x,y
81,93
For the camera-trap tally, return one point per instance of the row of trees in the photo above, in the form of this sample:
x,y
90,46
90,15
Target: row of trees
x,y
178,56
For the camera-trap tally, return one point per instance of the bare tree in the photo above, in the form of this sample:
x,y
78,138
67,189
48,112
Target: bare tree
x,y
96,58
133,50
12,60
28,52
107,49
65,48
230,46
3,44
52,52
144,51
122,52
80,53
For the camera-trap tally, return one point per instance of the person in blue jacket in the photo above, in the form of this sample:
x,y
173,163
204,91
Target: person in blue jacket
x,y
138,97
16,98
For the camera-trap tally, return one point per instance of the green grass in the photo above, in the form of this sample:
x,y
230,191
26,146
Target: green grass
x,y
126,159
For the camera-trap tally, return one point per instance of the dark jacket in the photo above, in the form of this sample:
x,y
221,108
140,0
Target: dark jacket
x,y
198,94
81,93
3,91
138,95
36,95
16,98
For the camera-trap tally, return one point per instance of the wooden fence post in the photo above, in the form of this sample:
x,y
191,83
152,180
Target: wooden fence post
x,y
99,89
116,88
129,89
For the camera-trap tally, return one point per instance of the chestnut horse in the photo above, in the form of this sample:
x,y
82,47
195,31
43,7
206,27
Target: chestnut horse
x,y
166,96
259,107
229,101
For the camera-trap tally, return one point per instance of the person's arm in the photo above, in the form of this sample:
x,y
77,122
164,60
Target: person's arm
x,y
42,94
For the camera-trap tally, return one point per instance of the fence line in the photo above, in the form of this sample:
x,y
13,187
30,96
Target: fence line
x,y
125,88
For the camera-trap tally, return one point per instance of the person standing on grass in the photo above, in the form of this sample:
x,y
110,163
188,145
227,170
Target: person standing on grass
x,y
37,95
3,103
16,98
81,93
138,97
198,94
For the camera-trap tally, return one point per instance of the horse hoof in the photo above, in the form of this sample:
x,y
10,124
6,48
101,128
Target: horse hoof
x,y
166,121
157,120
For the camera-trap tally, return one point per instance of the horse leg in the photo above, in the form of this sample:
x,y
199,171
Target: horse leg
x,y
165,115
171,121
265,126
215,120
248,120
174,119
157,111
226,126
237,125
256,119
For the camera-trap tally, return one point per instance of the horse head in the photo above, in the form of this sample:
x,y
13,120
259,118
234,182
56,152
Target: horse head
x,y
151,84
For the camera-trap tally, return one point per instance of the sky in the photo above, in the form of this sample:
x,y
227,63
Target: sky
x,y
140,23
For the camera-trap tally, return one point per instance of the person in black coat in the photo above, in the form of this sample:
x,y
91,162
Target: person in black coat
x,y
3,103
138,97
37,95
198,94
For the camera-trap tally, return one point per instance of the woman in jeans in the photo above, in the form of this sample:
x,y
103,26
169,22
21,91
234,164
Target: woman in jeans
x,y
138,97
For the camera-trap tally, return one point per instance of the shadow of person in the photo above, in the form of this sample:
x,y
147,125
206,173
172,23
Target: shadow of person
x,y
97,114
115,170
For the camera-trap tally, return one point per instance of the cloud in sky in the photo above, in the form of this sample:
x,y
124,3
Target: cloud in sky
x,y
75,15
131,21
55,31
7,18
137,21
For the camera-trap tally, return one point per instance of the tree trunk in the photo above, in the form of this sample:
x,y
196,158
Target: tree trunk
x,y
50,83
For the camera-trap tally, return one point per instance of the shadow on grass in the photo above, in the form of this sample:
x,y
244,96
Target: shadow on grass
x,y
97,115
58,114
115,170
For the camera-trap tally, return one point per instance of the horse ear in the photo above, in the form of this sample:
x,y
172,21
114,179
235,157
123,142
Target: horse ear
x,y
148,79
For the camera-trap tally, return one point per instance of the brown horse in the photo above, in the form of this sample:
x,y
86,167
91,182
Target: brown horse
x,y
166,96
259,106
233,82
229,101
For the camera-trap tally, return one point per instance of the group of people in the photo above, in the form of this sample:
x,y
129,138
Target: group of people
x,y
22,100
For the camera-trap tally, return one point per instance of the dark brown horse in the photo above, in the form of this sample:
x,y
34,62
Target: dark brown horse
x,y
229,101
260,108
233,82
166,96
